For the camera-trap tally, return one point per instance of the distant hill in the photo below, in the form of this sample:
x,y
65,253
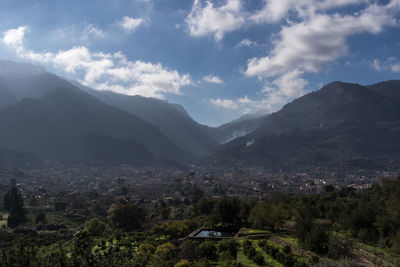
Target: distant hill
x,y
20,159
341,126
56,124
23,80
236,128
171,119
7,96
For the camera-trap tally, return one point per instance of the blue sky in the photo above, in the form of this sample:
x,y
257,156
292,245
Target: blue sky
x,y
219,59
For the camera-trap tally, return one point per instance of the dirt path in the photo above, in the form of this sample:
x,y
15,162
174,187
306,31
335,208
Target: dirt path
x,y
361,261
370,256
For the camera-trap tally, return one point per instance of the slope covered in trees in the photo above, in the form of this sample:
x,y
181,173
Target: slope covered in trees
x,y
335,227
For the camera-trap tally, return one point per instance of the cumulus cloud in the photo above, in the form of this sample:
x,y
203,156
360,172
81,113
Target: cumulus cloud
x,y
390,64
310,44
273,96
224,103
130,24
213,79
208,19
313,34
276,10
15,37
104,71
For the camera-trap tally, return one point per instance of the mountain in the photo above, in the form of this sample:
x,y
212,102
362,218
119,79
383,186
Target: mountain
x,y
24,79
175,123
388,88
236,128
64,124
171,119
20,159
8,67
342,125
7,96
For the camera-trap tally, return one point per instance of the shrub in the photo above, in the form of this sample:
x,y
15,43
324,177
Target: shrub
x,y
182,263
208,250
258,258
229,246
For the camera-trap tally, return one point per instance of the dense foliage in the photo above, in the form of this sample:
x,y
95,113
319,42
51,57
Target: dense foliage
x,y
325,225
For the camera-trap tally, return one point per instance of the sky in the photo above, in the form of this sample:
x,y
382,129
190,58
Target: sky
x,y
219,59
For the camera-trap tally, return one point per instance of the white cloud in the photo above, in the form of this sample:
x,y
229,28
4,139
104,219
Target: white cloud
x,y
105,71
276,10
213,79
130,24
395,67
207,19
313,34
246,43
224,103
284,89
390,64
274,95
92,30
312,43
15,37
377,65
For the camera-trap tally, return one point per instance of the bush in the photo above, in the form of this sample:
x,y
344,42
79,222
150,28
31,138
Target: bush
x,y
182,263
258,258
189,250
280,256
289,260
164,255
176,229
208,250
252,253
95,227
287,249
126,216
317,239
229,246
339,248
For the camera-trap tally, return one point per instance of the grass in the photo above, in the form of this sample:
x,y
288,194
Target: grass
x,y
289,240
249,231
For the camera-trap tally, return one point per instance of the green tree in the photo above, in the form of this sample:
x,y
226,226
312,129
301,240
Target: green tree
x,y
95,227
126,216
14,204
81,252
226,211
264,216
164,210
164,255
40,218
208,250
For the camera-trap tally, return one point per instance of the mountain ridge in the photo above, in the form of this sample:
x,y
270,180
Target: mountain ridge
x,y
342,124
33,122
